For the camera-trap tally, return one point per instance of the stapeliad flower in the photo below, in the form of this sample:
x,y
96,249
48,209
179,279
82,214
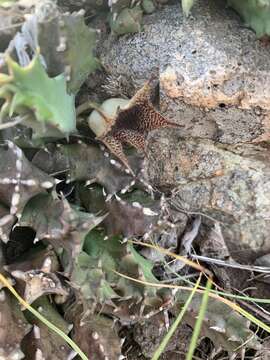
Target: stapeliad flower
x,y
131,124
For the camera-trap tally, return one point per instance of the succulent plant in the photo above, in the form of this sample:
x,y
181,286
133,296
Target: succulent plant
x,y
97,282
127,21
148,6
61,38
41,341
255,13
131,124
29,92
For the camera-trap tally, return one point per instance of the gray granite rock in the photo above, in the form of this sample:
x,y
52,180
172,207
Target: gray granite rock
x,y
225,183
214,74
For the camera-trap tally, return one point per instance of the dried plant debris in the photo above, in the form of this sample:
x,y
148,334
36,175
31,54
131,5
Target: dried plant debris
x,y
149,335
39,283
70,205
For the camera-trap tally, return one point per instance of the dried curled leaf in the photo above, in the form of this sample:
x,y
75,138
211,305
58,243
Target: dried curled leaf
x,y
30,92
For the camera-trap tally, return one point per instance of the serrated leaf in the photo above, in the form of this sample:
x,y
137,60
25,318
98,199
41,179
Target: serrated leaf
x,y
67,45
48,345
91,281
96,335
85,162
145,265
60,224
223,325
109,255
13,327
81,39
30,89
10,156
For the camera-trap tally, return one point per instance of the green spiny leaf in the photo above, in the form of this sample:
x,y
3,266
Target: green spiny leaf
x,y
30,88
255,13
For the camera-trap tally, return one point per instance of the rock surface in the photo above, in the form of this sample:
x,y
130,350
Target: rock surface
x,y
214,81
226,183
214,74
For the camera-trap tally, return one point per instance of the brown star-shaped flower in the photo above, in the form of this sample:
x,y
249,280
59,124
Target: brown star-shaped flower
x,y
132,124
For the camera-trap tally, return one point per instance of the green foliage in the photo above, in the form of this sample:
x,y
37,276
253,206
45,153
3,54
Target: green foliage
x,y
187,5
7,3
127,21
44,101
96,278
255,13
148,6
67,46
80,40
223,325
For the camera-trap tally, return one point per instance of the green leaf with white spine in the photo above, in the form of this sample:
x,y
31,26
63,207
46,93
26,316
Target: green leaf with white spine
x,y
29,89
